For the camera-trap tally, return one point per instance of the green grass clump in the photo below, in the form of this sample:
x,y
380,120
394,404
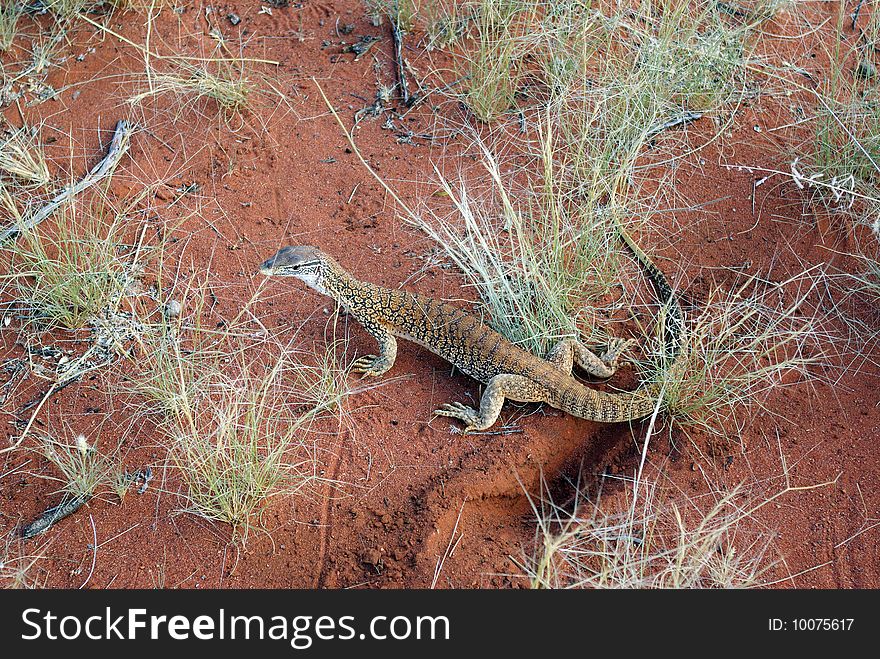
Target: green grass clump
x,y
615,80
237,428
540,266
241,441
68,9
9,15
740,346
69,269
446,25
668,57
842,171
490,65
83,468
838,164
178,356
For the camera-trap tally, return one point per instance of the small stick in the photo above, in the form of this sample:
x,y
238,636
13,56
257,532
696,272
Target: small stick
x,y
94,552
106,29
731,10
754,187
30,422
54,515
118,147
685,118
855,16
398,57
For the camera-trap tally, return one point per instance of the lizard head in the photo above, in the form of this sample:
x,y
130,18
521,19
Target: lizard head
x,y
304,262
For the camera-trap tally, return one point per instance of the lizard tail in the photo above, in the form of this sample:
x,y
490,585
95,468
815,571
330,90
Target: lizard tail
x,y
673,326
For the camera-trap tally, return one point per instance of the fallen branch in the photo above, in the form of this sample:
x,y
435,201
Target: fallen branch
x,y
682,119
398,57
118,147
855,14
54,515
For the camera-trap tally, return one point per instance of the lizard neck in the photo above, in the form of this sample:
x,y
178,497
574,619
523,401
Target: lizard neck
x,y
348,291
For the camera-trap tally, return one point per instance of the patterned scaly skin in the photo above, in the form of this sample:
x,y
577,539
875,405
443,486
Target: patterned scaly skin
x,y
461,339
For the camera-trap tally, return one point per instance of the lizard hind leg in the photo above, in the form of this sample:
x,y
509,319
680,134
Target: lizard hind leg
x,y
570,351
500,387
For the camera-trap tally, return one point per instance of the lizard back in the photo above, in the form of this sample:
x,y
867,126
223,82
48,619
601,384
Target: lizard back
x,y
452,333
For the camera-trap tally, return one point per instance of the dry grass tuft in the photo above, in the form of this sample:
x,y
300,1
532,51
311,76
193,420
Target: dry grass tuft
x,y
22,157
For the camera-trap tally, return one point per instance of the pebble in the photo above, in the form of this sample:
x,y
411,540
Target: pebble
x,y
172,309
865,70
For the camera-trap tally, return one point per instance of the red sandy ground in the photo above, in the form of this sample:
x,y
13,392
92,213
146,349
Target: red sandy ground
x,y
268,181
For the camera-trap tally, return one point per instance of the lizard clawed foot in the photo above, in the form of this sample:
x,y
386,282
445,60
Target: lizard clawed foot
x,y
462,412
369,365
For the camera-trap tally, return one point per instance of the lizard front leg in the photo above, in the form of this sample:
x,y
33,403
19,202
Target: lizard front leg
x,y
500,387
377,364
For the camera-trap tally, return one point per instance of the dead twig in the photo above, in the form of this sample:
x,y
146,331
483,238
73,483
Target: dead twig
x,y
398,61
94,552
118,147
54,515
681,120
855,14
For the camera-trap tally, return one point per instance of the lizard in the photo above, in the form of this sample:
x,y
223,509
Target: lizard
x,y
460,338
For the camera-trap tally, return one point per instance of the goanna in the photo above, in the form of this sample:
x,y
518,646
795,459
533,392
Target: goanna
x,y
509,372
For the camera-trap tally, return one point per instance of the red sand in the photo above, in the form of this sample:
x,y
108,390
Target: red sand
x,y
408,478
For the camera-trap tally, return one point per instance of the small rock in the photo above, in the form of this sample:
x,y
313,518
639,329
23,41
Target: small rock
x,y
172,309
235,19
865,69
372,557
